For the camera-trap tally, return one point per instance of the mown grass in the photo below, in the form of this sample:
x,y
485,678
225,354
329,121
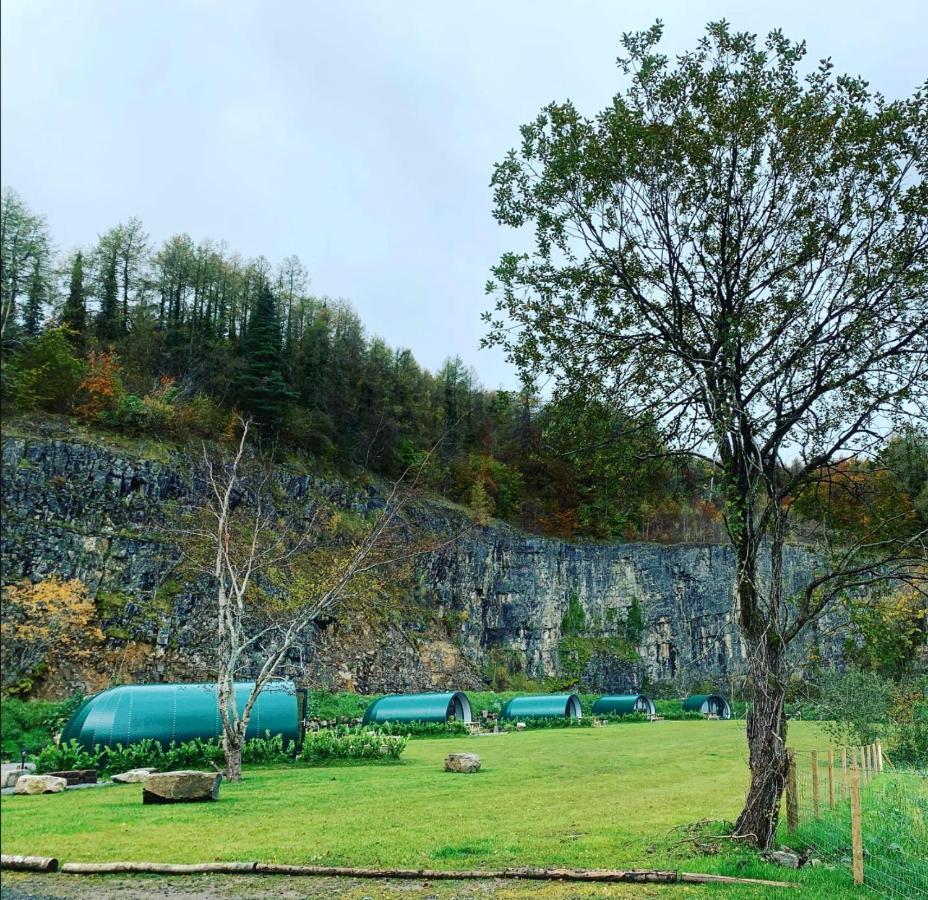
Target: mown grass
x,y
599,798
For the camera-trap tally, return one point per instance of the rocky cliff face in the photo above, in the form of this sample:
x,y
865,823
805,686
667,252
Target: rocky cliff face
x,y
78,509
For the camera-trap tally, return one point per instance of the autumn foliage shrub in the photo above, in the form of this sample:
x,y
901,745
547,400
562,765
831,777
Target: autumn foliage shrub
x,y
44,626
102,388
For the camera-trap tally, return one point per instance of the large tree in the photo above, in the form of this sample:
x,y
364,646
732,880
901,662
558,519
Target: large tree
x,y
262,391
74,311
739,250
24,251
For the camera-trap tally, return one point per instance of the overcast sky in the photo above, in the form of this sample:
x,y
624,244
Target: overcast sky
x,y
358,135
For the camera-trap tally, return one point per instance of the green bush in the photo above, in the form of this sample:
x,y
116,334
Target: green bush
x,y
423,729
147,753
350,744
46,373
331,706
909,715
30,724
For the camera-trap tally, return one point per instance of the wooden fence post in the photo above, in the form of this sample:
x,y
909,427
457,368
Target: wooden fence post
x,y
845,787
792,799
863,764
879,756
815,809
857,843
831,779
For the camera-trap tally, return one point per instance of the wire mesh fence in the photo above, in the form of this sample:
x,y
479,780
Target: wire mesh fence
x,y
851,807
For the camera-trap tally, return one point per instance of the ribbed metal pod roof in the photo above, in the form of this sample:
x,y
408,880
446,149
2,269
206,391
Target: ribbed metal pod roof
x,y
708,704
177,712
437,707
543,706
622,704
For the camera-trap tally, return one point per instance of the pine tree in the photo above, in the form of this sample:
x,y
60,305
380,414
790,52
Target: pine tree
x,y
35,301
261,389
74,311
109,321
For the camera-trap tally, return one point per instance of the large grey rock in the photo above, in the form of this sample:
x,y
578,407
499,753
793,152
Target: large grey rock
x,y
133,776
466,763
39,784
184,786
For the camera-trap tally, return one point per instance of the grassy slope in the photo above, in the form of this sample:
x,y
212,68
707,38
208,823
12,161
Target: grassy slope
x,y
592,797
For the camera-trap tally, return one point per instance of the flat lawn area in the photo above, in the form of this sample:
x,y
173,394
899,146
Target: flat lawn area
x,y
596,798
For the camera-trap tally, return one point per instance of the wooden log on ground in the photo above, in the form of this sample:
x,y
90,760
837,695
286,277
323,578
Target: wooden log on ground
x,y
28,863
153,868
634,876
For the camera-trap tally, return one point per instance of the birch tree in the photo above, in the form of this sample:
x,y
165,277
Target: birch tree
x,y
246,541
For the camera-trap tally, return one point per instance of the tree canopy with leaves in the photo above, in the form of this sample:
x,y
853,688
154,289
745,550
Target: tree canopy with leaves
x,y
738,250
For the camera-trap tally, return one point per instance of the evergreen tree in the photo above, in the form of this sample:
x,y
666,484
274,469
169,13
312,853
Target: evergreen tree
x,y
109,321
74,312
261,389
36,291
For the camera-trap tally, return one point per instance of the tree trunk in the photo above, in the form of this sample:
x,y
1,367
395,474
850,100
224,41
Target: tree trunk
x,y
232,749
766,729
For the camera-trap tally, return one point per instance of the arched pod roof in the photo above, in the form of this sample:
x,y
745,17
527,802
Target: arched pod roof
x,y
708,705
620,704
437,707
177,712
543,706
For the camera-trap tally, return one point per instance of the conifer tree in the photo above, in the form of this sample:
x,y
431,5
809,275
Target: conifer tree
x,y
36,292
262,391
109,323
74,311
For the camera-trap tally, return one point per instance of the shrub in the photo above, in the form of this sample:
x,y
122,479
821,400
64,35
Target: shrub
x,y
854,706
30,724
102,389
199,753
908,712
46,373
423,729
42,626
351,744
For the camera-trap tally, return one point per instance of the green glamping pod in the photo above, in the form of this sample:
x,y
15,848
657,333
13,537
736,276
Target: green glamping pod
x,y
623,704
543,706
177,712
708,705
419,708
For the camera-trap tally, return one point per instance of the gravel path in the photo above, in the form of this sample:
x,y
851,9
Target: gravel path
x,y
28,886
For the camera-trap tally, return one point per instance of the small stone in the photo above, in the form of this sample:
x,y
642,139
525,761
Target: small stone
x,y
186,786
520,726
39,784
462,762
133,776
783,858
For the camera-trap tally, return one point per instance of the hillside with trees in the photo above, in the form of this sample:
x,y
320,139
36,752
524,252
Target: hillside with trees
x,y
175,340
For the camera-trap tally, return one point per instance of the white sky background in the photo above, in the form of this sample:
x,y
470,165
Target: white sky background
x,y
360,136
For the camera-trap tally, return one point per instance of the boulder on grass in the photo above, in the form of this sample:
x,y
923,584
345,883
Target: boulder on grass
x,y
133,776
39,784
181,787
462,762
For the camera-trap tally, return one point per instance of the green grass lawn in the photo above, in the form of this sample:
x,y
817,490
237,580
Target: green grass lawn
x,y
603,798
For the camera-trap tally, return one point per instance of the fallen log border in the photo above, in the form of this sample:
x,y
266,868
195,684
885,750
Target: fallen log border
x,y
28,863
634,876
